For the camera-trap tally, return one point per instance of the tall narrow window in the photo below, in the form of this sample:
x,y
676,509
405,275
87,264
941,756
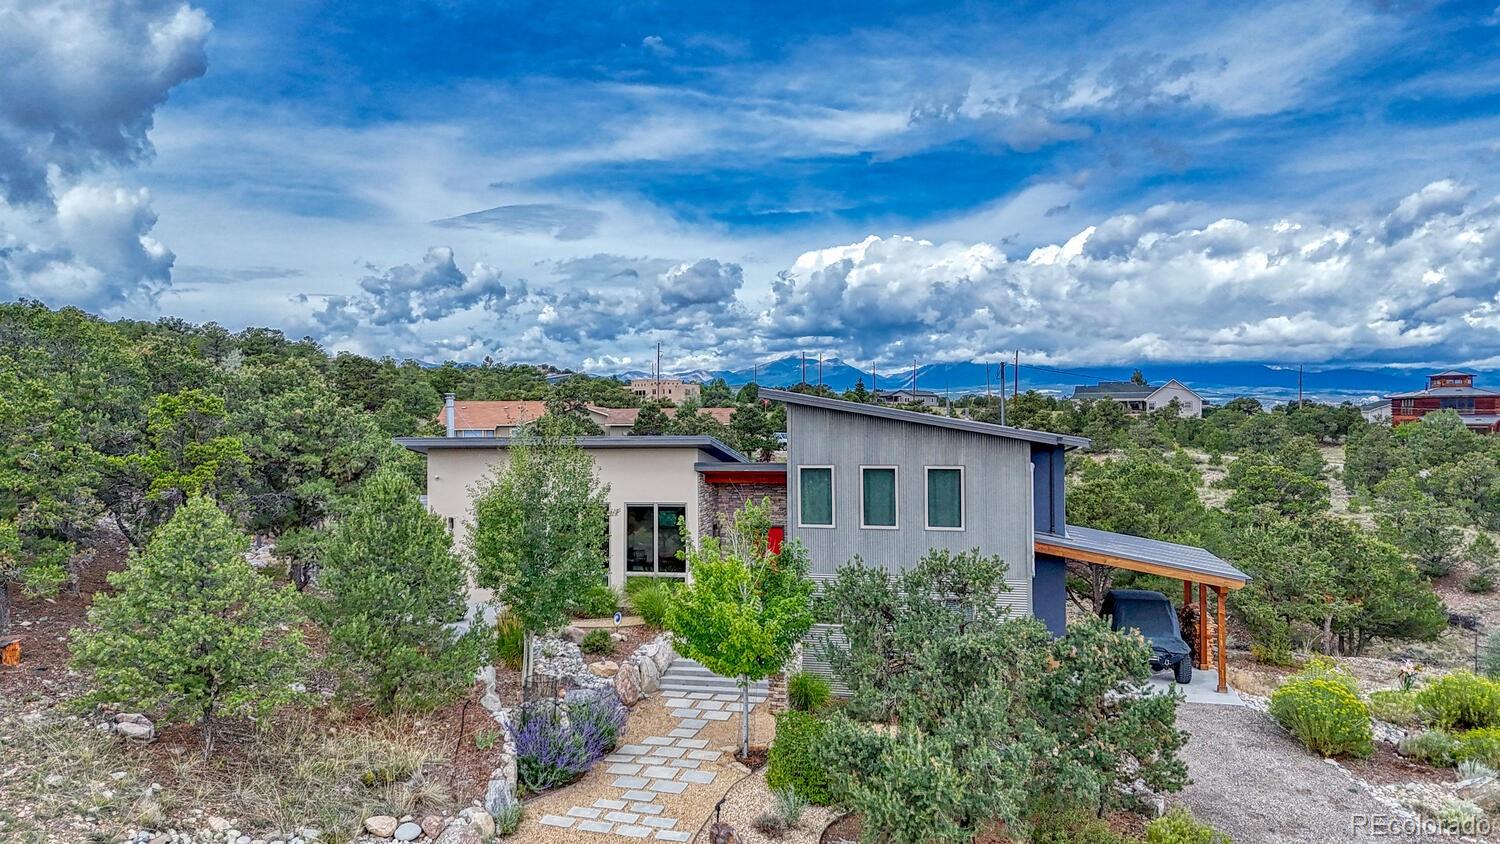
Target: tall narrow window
x,y
669,521
945,498
815,496
878,508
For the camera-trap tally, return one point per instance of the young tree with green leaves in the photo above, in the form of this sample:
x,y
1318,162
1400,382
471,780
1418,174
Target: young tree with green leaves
x,y
538,533
392,590
191,632
1413,521
745,608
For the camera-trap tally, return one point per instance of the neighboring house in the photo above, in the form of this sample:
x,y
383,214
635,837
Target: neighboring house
x,y
884,484
674,390
1144,398
1376,411
1449,390
907,395
502,418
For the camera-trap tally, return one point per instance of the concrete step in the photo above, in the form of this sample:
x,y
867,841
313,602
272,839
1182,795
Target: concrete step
x,y
685,675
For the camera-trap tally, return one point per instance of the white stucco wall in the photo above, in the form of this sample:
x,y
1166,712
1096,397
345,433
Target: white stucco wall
x,y
1189,401
634,475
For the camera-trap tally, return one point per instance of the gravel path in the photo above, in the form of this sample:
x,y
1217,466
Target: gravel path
x,y
1257,784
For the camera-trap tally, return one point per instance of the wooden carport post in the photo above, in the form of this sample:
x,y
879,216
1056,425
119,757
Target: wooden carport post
x,y
1202,625
1223,656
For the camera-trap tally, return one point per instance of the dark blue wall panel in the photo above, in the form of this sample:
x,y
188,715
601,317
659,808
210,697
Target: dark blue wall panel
x,y
1049,594
1049,464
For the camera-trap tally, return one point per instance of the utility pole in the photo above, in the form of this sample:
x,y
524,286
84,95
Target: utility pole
x,y
803,355
755,374
1017,393
1002,391
820,370
1299,386
656,387
913,379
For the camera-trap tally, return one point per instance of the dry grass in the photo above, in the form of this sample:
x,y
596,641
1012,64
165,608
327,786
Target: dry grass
x,y
64,781
303,773
61,780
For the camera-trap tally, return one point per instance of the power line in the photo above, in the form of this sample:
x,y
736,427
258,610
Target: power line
x,y
1074,373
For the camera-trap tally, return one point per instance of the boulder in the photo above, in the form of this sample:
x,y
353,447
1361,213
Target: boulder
x,y
574,634
650,676
628,684
458,832
480,820
605,668
409,831
500,795
432,826
381,826
663,656
134,726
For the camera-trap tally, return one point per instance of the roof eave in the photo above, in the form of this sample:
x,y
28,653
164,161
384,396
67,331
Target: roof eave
x,y
711,444
919,418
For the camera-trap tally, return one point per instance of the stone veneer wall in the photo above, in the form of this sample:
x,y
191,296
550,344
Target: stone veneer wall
x,y
717,504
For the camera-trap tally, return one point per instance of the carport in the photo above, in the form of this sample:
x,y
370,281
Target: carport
x,y
1189,564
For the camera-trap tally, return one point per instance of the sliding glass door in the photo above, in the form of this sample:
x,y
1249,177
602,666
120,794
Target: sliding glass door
x,y
653,536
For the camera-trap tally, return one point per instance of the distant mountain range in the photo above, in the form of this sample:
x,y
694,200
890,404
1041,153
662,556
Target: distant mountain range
x,y
1214,381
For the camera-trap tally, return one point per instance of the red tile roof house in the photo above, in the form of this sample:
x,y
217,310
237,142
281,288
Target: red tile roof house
x,y
501,418
878,482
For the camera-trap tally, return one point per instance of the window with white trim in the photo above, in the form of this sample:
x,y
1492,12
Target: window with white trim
x,y
945,498
878,497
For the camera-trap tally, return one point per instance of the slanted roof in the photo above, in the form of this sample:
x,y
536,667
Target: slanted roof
x,y
919,418
619,416
1170,382
1115,390
1452,373
1153,556
489,415
709,444
1444,393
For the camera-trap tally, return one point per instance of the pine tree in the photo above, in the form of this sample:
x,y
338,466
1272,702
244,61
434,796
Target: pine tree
x,y
651,420
192,632
393,589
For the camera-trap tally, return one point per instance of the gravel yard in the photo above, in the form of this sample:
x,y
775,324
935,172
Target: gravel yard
x,y
1257,784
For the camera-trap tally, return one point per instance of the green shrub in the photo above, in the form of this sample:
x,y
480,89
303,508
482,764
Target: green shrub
x,y
1482,745
1274,650
1323,668
649,597
598,641
1462,700
1398,706
598,601
1482,581
1054,822
1489,656
1178,826
1437,748
509,819
789,805
794,760
510,640
1324,715
808,692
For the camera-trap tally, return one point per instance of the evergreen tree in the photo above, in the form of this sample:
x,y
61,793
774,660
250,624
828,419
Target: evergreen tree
x,y
859,393
394,588
751,431
192,632
1411,520
652,420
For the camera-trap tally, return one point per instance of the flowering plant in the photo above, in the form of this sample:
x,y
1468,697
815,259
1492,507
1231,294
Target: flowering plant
x,y
556,746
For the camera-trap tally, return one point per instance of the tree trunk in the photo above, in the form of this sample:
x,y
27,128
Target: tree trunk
x,y
744,716
4,605
1328,634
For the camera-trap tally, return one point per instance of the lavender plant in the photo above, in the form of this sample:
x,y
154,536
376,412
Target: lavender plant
x,y
552,750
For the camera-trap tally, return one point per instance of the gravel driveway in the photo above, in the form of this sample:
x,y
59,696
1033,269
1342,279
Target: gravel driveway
x,y
1257,784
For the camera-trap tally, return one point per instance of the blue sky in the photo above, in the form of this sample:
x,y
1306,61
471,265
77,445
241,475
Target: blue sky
x,y
576,182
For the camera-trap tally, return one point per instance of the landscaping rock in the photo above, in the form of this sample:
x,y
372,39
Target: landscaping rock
x,y
605,668
409,831
134,726
650,676
480,820
458,832
628,684
500,795
381,826
432,826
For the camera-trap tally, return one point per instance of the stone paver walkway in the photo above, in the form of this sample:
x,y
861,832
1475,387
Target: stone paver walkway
x,y
640,773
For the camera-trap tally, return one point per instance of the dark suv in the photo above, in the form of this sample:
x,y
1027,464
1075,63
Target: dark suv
x,y
1152,614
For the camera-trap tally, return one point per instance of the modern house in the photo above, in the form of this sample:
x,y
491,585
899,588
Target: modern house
x,y
1449,390
674,390
907,395
502,418
881,483
1376,411
1144,398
